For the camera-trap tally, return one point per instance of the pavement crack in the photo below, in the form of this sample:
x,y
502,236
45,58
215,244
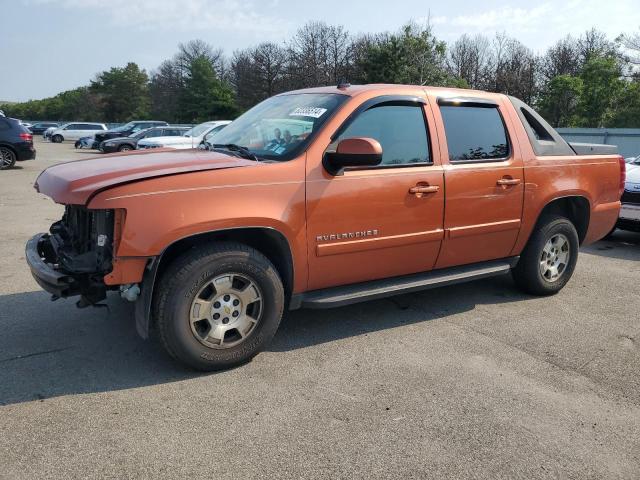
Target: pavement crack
x,y
34,354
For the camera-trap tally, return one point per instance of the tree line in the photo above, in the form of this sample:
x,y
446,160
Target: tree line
x,y
588,81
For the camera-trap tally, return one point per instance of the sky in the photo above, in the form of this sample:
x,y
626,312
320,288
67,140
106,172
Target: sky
x,y
47,46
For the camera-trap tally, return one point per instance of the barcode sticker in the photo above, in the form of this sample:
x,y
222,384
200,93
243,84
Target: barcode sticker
x,y
315,112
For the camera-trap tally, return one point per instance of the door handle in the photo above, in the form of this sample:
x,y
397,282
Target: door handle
x,y
508,181
420,190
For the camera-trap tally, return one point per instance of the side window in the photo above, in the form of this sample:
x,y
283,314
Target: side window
x,y
154,133
73,126
538,130
4,124
474,133
400,129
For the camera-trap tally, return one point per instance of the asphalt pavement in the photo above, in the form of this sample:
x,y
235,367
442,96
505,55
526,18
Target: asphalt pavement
x,y
467,381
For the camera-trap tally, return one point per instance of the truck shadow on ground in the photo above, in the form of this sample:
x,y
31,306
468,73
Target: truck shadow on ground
x,y
621,245
53,349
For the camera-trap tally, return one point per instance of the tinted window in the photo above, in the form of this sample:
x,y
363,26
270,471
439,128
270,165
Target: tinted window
x,y
73,126
156,132
474,133
400,129
4,124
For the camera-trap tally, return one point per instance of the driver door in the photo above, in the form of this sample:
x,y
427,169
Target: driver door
x,y
366,224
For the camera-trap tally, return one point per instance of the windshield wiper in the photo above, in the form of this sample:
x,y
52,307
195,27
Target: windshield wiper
x,y
244,152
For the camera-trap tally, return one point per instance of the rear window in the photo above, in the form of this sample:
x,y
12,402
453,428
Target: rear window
x,y
474,133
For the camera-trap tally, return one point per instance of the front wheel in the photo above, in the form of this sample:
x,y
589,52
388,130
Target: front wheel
x,y
57,139
218,306
550,257
125,148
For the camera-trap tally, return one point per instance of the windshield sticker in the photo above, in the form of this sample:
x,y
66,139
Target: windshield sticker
x,y
315,112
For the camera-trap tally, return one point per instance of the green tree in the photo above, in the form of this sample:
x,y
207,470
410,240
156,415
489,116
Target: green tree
x,y
627,113
123,92
412,56
601,85
205,96
559,101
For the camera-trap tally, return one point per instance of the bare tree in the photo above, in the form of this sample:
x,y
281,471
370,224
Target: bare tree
x,y
563,58
258,73
513,68
468,59
320,54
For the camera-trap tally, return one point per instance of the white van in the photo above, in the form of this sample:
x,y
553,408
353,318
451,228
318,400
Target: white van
x,y
75,130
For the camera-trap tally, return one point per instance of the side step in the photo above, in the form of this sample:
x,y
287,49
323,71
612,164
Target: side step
x,y
361,292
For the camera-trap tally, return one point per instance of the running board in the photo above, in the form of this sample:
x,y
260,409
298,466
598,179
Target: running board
x,y
362,292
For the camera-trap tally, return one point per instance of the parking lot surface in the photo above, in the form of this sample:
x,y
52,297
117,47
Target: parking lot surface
x,y
469,381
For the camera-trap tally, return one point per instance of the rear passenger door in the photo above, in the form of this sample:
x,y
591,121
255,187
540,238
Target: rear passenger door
x,y
484,181
371,222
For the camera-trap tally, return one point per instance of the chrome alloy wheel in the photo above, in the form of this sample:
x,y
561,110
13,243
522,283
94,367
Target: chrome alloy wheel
x,y
7,158
226,310
555,257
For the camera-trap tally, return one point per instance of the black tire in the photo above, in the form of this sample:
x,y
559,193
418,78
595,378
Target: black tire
x,y
7,158
182,282
527,273
57,139
125,148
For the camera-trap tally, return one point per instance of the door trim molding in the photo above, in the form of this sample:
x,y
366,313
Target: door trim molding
x,y
483,228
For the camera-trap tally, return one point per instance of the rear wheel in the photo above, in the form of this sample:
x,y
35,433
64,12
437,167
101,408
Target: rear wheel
x,y
7,158
549,259
57,139
218,306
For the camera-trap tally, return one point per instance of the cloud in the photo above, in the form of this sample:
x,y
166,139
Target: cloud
x,y
185,15
542,24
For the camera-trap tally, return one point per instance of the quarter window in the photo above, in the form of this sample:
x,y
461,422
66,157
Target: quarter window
x,y
474,133
400,129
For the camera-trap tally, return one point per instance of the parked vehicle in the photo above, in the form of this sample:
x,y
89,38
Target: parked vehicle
x,y
630,211
124,144
192,138
86,142
128,129
387,189
39,128
26,125
46,135
16,143
75,131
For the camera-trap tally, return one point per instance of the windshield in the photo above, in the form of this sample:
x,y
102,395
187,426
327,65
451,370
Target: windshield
x,y
280,127
141,133
198,130
122,128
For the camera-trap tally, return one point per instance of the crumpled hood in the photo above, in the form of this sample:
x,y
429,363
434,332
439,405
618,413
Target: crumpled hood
x,y
74,182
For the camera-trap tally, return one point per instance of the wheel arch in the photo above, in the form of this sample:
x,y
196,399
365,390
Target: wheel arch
x,y
267,240
576,208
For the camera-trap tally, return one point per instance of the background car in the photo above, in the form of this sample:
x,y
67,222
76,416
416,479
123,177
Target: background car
x,y
76,130
128,129
86,142
124,144
46,135
192,138
630,211
38,128
16,143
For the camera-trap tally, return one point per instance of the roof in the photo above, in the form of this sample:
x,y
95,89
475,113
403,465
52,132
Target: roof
x,y
389,88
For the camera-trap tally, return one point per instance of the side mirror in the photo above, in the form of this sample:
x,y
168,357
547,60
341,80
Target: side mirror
x,y
353,152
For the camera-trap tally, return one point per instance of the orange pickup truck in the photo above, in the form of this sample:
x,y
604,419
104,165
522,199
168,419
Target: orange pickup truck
x,y
319,198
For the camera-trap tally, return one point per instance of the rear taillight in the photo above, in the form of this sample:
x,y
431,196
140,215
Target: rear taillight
x,y
623,175
27,137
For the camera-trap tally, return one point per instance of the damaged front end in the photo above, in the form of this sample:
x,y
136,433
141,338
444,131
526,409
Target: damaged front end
x,y
73,258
